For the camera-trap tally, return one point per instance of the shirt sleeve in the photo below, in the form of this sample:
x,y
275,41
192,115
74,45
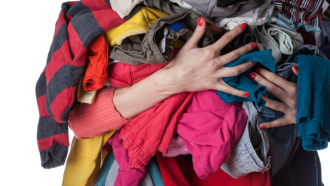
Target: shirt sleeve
x,y
90,120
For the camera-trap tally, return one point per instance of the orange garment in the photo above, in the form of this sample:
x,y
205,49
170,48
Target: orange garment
x,y
97,70
177,171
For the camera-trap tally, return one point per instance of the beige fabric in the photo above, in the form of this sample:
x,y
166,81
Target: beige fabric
x,y
83,96
124,7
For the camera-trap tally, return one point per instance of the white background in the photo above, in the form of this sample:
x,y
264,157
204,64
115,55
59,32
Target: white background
x,y
27,29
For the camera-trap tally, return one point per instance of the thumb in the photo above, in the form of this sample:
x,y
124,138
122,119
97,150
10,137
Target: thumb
x,y
198,33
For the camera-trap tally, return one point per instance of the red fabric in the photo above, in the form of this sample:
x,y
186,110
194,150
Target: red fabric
x,y
308,37
97,70
179,172
153,129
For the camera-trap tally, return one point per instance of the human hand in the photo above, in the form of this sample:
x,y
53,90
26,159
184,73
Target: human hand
x,y
196,69
283,90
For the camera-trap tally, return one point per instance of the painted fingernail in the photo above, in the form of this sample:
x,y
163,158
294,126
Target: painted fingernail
x,y
258,70
254,63
200,22
246,95
243,26
262,127
252,75
295,67
254,45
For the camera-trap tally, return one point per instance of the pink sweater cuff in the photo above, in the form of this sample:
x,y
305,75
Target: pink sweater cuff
x,y
90,120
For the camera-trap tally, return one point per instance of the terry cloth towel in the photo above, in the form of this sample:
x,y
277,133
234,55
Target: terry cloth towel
x,y
209,128
305,11
78,24
244,82
313,108
153,129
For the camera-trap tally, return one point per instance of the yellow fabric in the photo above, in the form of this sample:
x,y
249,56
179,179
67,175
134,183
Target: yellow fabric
x,y
178,44
84,161
138,24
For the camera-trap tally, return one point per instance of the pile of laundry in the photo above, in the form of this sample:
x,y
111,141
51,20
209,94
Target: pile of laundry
x,y
192,138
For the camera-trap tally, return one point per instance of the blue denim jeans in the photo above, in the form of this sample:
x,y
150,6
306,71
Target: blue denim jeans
x,y
283,140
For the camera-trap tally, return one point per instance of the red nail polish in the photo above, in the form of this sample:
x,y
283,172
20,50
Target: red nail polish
x,y
252,75
243,26
200,22
247,95
258,70
254,63
295,67
254,45
262,127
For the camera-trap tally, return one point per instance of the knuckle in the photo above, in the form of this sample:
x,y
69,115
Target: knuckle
x,y
212,65
235,55
236,72
227,37
209,53
272,77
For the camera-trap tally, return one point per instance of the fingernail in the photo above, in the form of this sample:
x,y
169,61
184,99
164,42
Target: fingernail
x,y
252,75
246,95
295,67
243,26
200,22
262,127
258,70
254,45
254,63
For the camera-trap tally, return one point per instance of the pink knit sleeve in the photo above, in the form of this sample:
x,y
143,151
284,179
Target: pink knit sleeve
x,y
90,120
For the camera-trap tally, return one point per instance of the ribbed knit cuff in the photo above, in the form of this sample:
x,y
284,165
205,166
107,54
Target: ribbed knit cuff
x,y
54,156
90,120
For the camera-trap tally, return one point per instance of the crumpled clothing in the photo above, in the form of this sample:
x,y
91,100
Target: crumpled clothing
x,y
124,7
244,82
254,17
97,70
176,147
209,128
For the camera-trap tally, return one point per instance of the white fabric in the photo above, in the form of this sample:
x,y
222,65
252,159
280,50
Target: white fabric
x,y
253,18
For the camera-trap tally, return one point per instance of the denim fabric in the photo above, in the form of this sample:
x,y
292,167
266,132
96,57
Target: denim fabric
x,y
284,137
277,19
303,170
249,154
325,37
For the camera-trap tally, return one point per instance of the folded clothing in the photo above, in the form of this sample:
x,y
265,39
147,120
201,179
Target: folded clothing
x,y
178,171
97,70
209,128
148,51
244,82
313,120
306,12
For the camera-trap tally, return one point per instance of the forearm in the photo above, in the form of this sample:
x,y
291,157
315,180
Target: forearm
x,y
133,100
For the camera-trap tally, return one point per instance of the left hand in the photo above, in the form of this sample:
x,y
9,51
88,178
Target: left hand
x,y
283,90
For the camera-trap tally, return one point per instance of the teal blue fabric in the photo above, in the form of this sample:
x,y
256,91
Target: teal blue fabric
x,y
154,172
313,101
103,173
244,82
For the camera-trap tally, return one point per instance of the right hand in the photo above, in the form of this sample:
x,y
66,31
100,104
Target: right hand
x,y
195,69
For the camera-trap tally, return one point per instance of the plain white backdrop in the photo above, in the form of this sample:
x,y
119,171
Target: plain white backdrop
x,y
27,29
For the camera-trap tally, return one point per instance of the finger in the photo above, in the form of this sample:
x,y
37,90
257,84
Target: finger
x,y
276,123
237,70
228,37
295,69
232,56
273,89
288,86
198,33
275,105
223,87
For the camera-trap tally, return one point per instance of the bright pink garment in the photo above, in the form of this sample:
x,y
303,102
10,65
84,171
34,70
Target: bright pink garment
x,y
209,128
153,129
126,176
177,147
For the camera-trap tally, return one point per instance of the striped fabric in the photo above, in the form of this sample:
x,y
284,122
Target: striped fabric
x,y
78,24
302,11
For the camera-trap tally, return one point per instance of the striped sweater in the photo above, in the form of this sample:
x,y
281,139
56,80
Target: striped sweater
x,y
302,11
78,24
